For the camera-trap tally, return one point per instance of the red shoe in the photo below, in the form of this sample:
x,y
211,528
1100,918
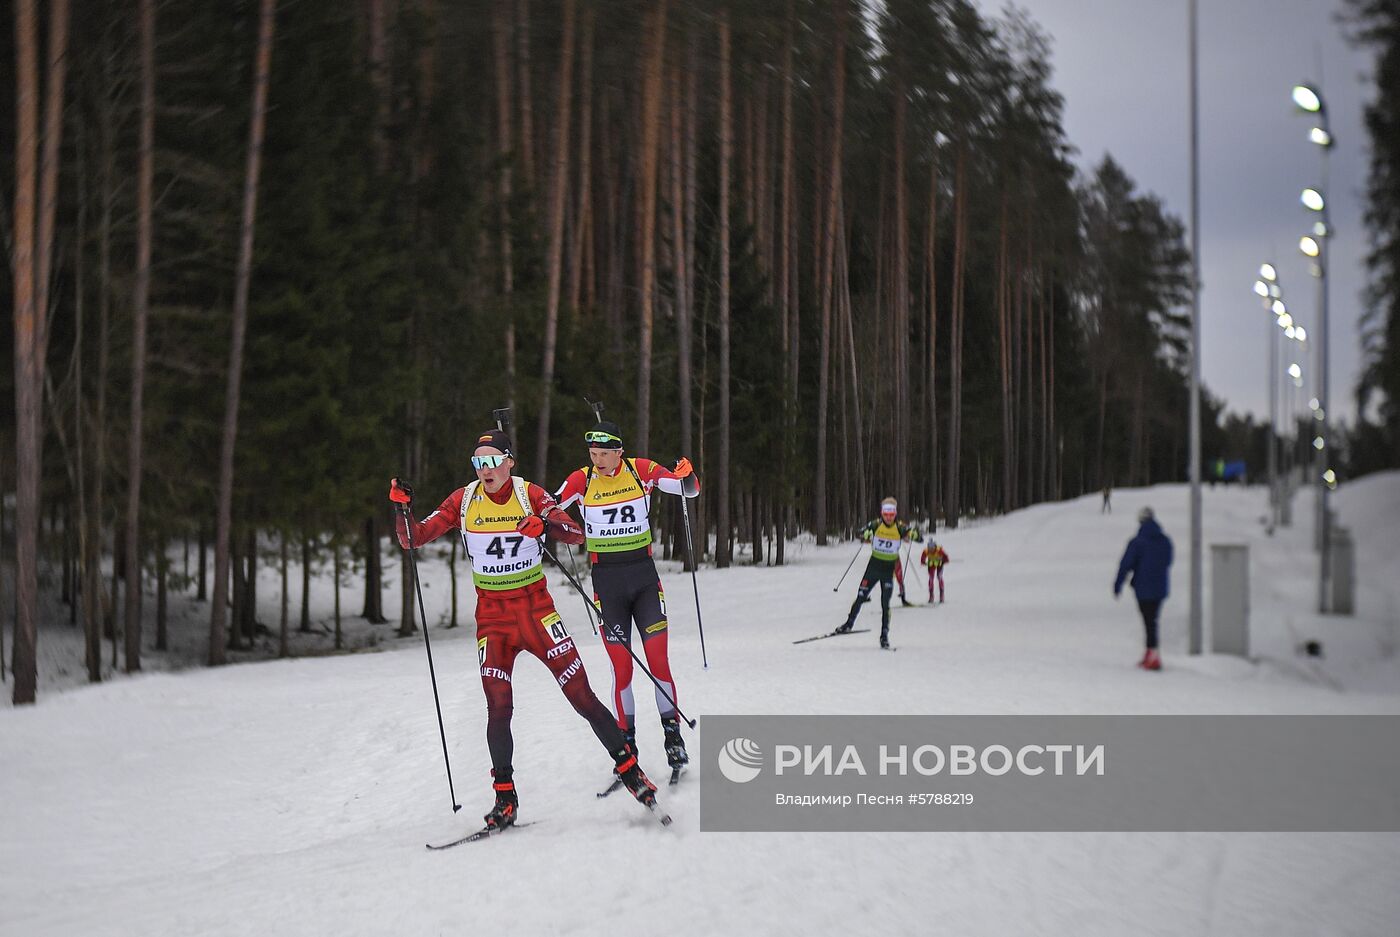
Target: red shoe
x,y
1152,660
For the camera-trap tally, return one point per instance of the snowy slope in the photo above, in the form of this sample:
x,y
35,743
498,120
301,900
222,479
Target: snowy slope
x,y
294,797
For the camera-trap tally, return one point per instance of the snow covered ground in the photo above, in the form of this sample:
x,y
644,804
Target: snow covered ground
x,y
294,797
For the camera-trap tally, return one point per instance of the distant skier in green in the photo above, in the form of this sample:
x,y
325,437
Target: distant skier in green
x,y
885,534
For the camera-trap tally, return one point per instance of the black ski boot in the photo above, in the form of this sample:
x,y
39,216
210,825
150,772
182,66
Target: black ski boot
x,y
507,803
633,778
905,602
845,628
676,755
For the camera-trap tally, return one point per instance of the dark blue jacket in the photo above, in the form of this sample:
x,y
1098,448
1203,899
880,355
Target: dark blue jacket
x,y
1147,557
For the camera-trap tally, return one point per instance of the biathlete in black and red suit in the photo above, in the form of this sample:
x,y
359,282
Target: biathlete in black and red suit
x,y
500,519
614,497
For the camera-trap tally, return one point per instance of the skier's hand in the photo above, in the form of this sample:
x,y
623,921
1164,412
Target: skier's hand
x,y
683,468
865,537
401,493
532,527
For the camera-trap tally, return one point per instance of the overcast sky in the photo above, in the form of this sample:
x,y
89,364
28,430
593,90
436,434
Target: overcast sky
x,y
1122,66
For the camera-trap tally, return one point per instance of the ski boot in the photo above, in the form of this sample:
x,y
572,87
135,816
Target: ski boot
x,y
845,627
885,640
676,755
904,600
633,778
1152,660
507,803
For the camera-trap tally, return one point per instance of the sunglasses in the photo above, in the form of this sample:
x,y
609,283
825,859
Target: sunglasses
x,y
598,436
488,461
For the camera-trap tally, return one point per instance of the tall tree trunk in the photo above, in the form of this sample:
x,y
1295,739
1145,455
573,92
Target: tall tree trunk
x,y
162,570
527,135
1004,351
682,260
54,81
583,221
558,185
102,600
501,40
787,308
833,193
239,587
304,624
29,358
723,526
250,589
952,500
931,263
846,318
233,395
651,132
335,554
373,610
139,312
901,308
286,599
202,590
90,579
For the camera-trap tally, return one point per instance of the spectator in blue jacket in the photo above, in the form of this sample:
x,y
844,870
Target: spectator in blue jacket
x,y
1147,558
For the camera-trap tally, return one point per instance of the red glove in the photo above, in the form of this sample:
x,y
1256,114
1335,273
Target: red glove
x,y
400,492
532,527
683,468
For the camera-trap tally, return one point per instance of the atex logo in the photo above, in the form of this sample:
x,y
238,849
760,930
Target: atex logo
x,y
740,760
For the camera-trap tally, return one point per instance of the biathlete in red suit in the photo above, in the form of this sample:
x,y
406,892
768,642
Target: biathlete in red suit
x,y
500,519
614,499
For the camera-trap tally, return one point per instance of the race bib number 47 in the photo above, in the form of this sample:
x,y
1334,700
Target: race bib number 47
x,y
554,625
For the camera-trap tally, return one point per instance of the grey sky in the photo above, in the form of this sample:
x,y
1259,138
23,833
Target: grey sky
x,y
1122,67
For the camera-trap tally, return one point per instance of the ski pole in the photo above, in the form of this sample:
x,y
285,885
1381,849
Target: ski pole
x,y
848,567
664,692
427,643
587,605
690,549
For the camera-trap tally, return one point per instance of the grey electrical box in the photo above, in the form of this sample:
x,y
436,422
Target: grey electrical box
x,y
1229,598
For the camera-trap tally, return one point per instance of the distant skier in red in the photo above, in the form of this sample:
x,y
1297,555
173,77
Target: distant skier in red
x,y
935,558
500,519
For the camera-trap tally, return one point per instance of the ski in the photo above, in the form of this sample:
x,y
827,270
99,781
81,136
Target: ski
x,y
831,634
663,818
616,783
486,832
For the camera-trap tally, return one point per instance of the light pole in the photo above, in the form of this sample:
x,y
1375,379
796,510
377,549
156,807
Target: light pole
x,y
1309,101
1267,289
1295,333
1195,631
